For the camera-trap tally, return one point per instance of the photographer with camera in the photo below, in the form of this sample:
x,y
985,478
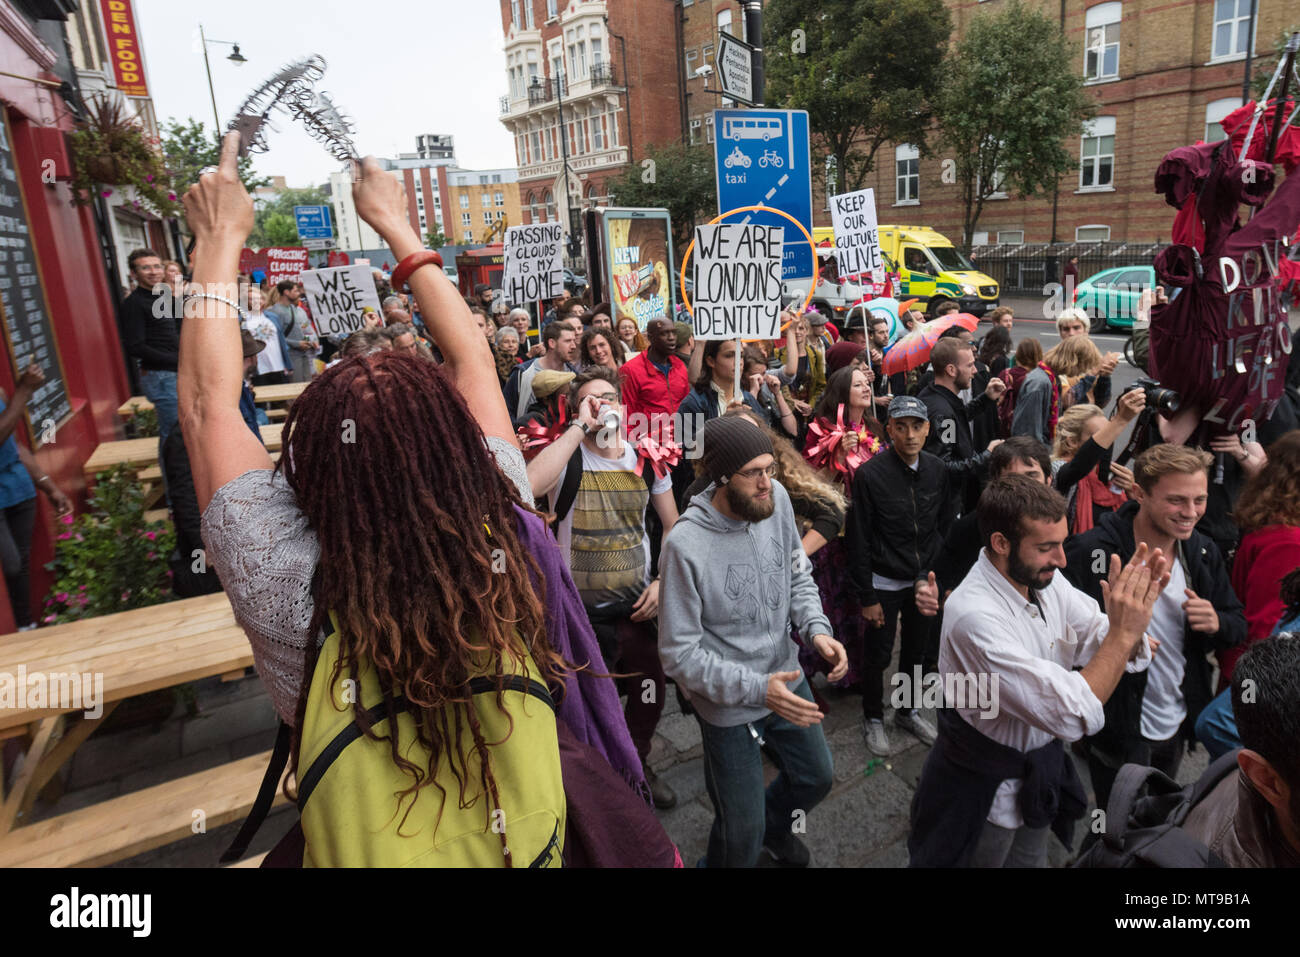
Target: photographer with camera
x,y
598,491
1151,717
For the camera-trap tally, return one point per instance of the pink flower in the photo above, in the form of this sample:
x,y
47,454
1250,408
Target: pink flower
x,y
149,178
49,619
64,537
84,601
151,535
106,193
61,596
151,556
82,588
67,520
126,594
172,197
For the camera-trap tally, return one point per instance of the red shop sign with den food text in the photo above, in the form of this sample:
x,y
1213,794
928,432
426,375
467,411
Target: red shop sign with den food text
x,y
124,47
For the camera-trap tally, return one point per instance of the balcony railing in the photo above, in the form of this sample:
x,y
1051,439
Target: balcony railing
x,y
505,105
602,74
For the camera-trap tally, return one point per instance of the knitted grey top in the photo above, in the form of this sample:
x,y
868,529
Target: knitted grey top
x,y
257,539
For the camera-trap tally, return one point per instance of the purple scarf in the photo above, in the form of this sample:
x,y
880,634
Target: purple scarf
x,y
590,704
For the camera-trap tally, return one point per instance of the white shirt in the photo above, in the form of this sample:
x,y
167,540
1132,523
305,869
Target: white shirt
x,y
264,330
1163,705
990,630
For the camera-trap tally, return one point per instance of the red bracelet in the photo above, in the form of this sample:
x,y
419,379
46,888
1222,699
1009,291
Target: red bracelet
x,y
410,264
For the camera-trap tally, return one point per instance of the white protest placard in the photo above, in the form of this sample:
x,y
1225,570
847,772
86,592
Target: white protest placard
x,y
336,297
857,239
738,281
534,267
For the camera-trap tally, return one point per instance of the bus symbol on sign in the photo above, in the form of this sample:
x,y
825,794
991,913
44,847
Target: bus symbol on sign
x,y
737,128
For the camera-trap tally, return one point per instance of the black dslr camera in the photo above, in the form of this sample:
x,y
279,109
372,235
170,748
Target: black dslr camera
x,y
1162,400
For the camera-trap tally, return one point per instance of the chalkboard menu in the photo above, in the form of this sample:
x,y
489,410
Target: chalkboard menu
x,y
22,297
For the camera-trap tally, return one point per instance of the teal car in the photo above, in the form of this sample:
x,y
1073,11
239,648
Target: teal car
x,y
1110,297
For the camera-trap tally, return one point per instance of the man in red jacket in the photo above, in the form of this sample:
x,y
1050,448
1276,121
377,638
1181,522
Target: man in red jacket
x,y
654,383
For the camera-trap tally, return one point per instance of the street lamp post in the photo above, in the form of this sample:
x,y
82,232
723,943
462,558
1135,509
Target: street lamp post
x,y
236,58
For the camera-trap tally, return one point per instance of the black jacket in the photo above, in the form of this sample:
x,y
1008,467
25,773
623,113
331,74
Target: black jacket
x,y
960,552
1206,574
950,439
155,342
894,525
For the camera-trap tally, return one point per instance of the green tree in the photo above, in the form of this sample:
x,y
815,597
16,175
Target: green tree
x,y
189,149
274,223
865,70
435,239
1010,99
678,178
1266,62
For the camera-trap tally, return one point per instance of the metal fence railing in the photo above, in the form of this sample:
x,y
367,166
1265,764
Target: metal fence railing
x,y
1027,268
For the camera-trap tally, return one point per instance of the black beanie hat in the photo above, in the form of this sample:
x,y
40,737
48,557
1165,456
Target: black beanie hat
x,y
730,442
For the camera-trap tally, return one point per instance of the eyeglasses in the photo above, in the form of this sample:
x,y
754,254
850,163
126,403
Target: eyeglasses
x,y
752,475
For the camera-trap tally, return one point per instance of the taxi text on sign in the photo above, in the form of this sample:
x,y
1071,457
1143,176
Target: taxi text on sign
x,y
124,49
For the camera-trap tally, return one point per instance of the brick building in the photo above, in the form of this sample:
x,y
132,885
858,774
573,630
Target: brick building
x,y
702,22
1163,73
463,204
612,70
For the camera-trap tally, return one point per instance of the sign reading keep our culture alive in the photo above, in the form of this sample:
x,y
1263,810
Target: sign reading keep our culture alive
x,y
337,297
857,238
124,47
534,267
738,281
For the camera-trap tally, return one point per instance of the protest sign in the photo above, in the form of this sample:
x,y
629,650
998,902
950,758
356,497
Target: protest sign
x,y
534,269
738,281
337,296
284,262
857,239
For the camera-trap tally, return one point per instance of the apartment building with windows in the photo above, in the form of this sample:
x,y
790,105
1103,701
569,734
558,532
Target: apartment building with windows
x,y
1163,74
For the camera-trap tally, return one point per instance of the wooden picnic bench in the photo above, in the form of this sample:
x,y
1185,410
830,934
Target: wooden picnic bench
x,y
136,652
141,453
261,393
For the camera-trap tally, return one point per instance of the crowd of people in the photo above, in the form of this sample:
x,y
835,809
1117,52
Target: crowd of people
x,y
493,532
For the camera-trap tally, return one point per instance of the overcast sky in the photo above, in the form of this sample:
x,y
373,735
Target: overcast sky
x,y
397,67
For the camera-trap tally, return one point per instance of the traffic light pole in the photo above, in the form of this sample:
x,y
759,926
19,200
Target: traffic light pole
x,y
754,37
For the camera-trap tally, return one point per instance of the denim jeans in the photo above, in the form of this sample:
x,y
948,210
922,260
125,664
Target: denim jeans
x,y
743,813
1216,727
159,388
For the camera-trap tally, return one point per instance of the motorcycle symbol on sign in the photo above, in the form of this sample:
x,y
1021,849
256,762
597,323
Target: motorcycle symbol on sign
x,y
771,157
737,158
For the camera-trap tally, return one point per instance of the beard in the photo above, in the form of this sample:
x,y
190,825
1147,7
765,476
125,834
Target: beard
x,y
1028,575
746,507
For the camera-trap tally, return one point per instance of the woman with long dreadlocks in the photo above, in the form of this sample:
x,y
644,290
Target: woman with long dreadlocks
x,y
392,575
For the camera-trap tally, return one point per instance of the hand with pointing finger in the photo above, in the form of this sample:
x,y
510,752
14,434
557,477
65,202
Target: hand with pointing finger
x,y
1201,615
218,207
927,597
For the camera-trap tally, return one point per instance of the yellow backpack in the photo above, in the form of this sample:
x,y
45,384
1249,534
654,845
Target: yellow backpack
x,y
348,784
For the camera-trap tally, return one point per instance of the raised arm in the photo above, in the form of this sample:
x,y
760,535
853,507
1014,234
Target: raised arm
x,y
211,369
31,380
381,202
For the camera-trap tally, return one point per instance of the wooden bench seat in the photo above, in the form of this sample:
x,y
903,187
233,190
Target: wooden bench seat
x,y
141,821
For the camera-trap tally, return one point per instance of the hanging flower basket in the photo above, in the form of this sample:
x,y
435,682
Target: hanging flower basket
x,y
110,147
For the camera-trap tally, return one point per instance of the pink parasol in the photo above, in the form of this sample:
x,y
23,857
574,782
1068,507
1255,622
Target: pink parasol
x,y
914,348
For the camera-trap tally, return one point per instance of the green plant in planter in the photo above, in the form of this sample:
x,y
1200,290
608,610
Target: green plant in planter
x,y
143,423
109,559
110,146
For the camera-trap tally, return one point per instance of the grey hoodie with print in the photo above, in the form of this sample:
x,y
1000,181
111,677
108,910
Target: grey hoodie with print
x,y
729,590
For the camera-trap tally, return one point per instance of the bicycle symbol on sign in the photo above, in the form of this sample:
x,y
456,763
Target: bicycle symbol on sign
x,y
771,158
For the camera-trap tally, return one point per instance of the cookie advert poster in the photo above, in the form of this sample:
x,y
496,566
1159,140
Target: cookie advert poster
x,y
639,246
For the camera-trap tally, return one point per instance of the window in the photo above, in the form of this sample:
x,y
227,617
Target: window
x,y
1013,237
692,62
487,219
482,180
696,127
708,128
464,219
979,238
496,177
597,54
437,202
536,142
500,199
1101,42
532,207
1231,21
724,21
907,172
706,53
485,200
1097,154
528,10
514,12
1215,111
464,201
551,14
1092,234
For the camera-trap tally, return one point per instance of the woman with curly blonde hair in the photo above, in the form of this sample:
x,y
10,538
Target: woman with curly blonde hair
x,y
1268,514
1041,398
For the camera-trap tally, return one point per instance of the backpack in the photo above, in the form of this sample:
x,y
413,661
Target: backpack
x,y
348,783
1149,831
568,492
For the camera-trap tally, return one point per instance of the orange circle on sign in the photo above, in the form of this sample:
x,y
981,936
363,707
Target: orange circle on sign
x,y
686,300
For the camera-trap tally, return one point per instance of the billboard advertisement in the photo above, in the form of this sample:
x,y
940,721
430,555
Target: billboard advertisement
x,y
639,263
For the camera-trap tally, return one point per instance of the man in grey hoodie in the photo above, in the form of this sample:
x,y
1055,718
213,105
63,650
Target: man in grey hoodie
x,y
733,580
